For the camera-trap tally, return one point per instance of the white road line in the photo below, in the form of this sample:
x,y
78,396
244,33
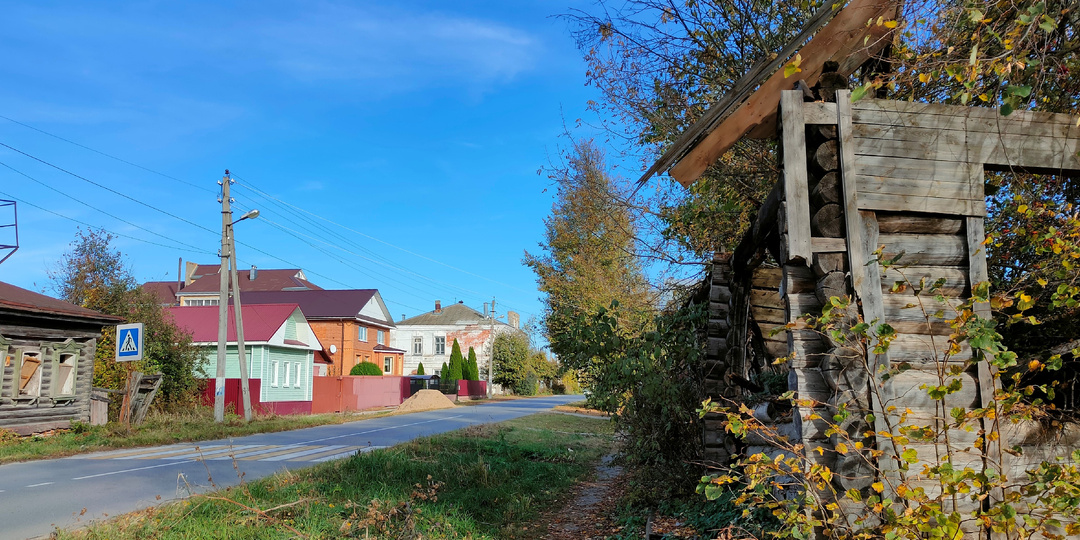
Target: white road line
x,y
41,484
262,449
201,453
293,455
135,469
380,429
173,450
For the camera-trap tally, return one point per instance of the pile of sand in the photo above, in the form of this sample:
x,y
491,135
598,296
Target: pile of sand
x,y
426,400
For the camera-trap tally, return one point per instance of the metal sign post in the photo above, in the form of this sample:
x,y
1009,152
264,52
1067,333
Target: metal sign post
x,y
129,342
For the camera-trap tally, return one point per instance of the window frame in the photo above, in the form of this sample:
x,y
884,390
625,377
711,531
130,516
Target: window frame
x,y
440,347
380,336
388,365
362,334
299,373
418,345
274,373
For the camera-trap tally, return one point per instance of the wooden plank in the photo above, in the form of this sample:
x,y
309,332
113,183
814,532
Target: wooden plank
x,y
919,224
766,278
925,249
846,38
893,203
990,149
906,307
956,278
908,113
796,186
828,245
768,315
819,112
765,298
920,187
901,167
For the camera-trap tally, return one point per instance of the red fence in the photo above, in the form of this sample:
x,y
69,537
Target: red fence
x,y
233,400
471,389
357,392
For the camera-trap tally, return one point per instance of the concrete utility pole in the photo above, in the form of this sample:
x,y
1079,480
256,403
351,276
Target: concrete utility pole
x,y
491,353
227,270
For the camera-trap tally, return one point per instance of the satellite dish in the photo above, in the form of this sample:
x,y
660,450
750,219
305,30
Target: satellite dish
x,y
333,349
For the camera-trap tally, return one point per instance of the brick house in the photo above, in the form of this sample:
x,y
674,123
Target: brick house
x,y
353,326
201,284
429,337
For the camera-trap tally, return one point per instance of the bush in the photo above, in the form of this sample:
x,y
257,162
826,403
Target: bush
x,y
531,385
472,368
420,368
366,368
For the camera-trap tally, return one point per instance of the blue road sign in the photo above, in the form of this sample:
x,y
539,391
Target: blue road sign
x,y
129,342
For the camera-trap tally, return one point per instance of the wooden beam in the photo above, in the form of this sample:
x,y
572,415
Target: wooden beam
x,y
796,184
847,39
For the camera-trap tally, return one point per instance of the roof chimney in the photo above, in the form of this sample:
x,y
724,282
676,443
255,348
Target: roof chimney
x,y
253,273
438,306
403,316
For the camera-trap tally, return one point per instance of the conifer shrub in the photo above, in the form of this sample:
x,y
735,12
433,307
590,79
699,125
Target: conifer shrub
x,y
420,368
365,368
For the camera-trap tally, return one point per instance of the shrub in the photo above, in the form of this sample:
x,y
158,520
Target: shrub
x,y
531,385
365,368
420,368
473,373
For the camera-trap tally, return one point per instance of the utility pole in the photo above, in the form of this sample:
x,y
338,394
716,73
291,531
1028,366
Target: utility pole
x,y
227,271
491,352
223,301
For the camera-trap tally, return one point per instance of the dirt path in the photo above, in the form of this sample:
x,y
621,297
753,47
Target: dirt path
x,y
589,510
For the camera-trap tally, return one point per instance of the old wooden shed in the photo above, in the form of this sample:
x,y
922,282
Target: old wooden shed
x,y
48,367
907,178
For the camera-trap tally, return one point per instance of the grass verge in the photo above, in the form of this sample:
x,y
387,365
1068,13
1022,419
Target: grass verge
x,y
194,425
484,481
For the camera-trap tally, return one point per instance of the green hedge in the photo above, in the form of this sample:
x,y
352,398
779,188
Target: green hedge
x,y
365,368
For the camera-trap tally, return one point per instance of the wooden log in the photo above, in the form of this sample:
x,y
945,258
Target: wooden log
x,y
891,223
829,262
797,279
809,384
768,315
955,284
807,353
814,423
766,278
820,113
825,156
828,221
718,310
718,327
719,293
765,298
776,435
827,190
716,347
855,470
844,368
833,284
800,303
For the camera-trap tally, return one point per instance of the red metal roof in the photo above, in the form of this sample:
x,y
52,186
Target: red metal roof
x,y
320,304
164,291
18,299
265,280
261,321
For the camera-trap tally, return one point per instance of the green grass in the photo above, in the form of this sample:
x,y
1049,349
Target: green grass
x,y
485,481
194,425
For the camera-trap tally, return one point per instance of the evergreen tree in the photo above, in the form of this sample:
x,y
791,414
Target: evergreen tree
x,y
474,368
444,372
457,363
420,368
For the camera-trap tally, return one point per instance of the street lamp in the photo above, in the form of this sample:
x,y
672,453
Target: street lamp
x,y
227,271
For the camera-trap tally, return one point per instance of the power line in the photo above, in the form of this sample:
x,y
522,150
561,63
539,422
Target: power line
x,y
92,226
92,207
99,152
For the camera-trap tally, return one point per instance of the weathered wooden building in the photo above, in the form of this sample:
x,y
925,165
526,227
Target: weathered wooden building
x,y
906,178
48,368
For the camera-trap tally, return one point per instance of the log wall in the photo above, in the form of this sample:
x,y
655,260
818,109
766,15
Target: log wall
x,y
902,181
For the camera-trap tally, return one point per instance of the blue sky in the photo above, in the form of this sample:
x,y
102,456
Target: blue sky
x,y
420,126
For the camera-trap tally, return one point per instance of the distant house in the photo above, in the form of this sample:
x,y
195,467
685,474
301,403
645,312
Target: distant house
x,y
279,346
201,285
352,325
428,337
48,360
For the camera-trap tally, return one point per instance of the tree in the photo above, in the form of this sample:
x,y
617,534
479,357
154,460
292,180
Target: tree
x,y
420,368
93,275
455,367
588,255
445,371
366,368
474,368
510,352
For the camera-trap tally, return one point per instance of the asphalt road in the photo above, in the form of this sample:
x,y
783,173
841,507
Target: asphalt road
x,y
39,497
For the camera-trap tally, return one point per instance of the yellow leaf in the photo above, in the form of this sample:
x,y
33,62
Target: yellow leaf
x,y
878,487
841,448
891,24
1023,208
1041,281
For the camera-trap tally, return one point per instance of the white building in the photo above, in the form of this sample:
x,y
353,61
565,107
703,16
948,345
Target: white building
x,y
429,337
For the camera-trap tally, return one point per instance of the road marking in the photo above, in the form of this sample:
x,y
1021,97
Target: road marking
x,y
381,429
154,451
295,455
41,484
285,450
205,455
135,469
250,452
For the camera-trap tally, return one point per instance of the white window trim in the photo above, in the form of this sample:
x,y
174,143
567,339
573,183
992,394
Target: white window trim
x,y
436,347
288,373
299,371
362,333
379,337
274,373
387,369
418,345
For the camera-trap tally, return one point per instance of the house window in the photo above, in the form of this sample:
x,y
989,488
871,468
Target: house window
x,y
379,337
363,333
65,377
273,373
287,373
299,370
418,345
440,344
201,302
388,364
30,374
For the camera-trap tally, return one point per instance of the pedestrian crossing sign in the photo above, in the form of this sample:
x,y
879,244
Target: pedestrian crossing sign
x,y
129,342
